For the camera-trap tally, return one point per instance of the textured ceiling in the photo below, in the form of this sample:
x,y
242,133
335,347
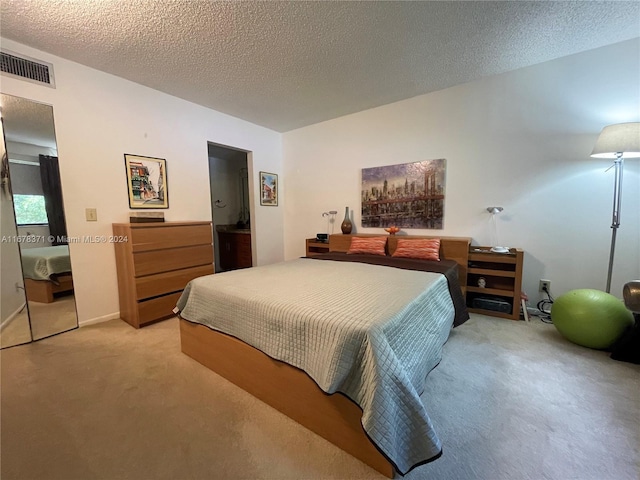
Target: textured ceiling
x,y
285,65
27,122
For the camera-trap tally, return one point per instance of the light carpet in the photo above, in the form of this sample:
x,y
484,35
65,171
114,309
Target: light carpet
x,y
42,320
510,400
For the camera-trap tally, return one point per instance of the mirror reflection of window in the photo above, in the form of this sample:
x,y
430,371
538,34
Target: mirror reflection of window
x,y
30,210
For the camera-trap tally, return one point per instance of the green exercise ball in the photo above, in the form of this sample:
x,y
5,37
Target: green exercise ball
x,y
590,318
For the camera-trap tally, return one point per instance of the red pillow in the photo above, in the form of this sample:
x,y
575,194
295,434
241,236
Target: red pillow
x,y
422,248
368,245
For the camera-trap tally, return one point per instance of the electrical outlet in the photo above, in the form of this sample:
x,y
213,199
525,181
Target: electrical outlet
x,y
544,285
91,214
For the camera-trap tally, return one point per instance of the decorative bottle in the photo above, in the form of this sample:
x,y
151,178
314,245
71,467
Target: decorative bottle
x,y
346,225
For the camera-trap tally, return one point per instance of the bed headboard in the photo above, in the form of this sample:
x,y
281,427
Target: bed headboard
x,y
451,248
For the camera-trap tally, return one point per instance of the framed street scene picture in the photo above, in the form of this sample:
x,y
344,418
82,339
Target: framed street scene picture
x,y
268,189
146,181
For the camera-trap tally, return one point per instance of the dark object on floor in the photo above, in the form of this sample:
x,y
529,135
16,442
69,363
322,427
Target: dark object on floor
x,y
494,304
627,349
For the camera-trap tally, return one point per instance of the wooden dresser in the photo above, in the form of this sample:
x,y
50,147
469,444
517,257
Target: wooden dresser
x,y
155,261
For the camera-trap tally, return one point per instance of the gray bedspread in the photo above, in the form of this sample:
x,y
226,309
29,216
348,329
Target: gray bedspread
x,y
371,332
42,262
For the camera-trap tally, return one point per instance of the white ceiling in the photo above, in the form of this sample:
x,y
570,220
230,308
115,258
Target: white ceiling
x,y
285,65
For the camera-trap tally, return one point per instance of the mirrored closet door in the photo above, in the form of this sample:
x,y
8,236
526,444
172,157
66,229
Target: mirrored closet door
x,y
37,282
15,328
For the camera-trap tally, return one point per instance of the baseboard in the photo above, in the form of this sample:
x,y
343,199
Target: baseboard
x,y
104,318
7,321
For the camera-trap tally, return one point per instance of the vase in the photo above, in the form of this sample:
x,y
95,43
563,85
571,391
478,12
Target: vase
x,y
346,225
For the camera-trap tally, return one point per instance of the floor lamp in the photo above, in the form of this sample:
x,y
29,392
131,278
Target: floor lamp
x,y
618,141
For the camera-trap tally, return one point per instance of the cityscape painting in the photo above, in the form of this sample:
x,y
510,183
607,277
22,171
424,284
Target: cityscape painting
x,y
409,195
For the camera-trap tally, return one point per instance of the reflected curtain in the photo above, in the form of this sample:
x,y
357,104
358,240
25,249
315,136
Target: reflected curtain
x,y
50,176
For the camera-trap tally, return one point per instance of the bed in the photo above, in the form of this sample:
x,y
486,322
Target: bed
x,y
46,270
337,342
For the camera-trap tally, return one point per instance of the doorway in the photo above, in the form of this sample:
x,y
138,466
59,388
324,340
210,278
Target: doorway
x,y
230,207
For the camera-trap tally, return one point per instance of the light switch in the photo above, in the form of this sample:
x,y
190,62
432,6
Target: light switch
x,y
92,214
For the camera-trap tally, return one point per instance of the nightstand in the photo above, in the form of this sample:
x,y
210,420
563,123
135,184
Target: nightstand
x,y
314,247
501,275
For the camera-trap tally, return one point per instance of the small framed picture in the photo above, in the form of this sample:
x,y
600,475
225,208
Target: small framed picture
x,y
268,189
147,181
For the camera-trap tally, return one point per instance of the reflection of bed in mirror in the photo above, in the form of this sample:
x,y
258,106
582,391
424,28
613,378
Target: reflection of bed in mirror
x,y
47,271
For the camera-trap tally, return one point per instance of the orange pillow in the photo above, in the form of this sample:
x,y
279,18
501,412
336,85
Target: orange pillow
x,y
368,245
422,248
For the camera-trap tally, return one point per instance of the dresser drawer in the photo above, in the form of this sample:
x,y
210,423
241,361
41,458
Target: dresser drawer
x,y
157,308
160,237
148,263
162,283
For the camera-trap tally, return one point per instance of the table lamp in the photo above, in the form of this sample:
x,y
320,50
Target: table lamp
x,y
495,248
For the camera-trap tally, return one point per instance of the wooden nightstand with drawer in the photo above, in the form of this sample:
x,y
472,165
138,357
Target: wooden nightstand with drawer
x,y
315,247
155,261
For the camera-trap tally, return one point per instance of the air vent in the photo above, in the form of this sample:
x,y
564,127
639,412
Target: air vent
x,y
26,68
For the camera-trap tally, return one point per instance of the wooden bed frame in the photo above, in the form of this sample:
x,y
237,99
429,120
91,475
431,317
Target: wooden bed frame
x,y
43,290
289,389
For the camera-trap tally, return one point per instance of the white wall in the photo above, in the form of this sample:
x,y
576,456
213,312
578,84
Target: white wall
x,y
100,117
520,140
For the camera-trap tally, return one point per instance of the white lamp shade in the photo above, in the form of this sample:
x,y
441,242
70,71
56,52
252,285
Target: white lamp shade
x,y
622,139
